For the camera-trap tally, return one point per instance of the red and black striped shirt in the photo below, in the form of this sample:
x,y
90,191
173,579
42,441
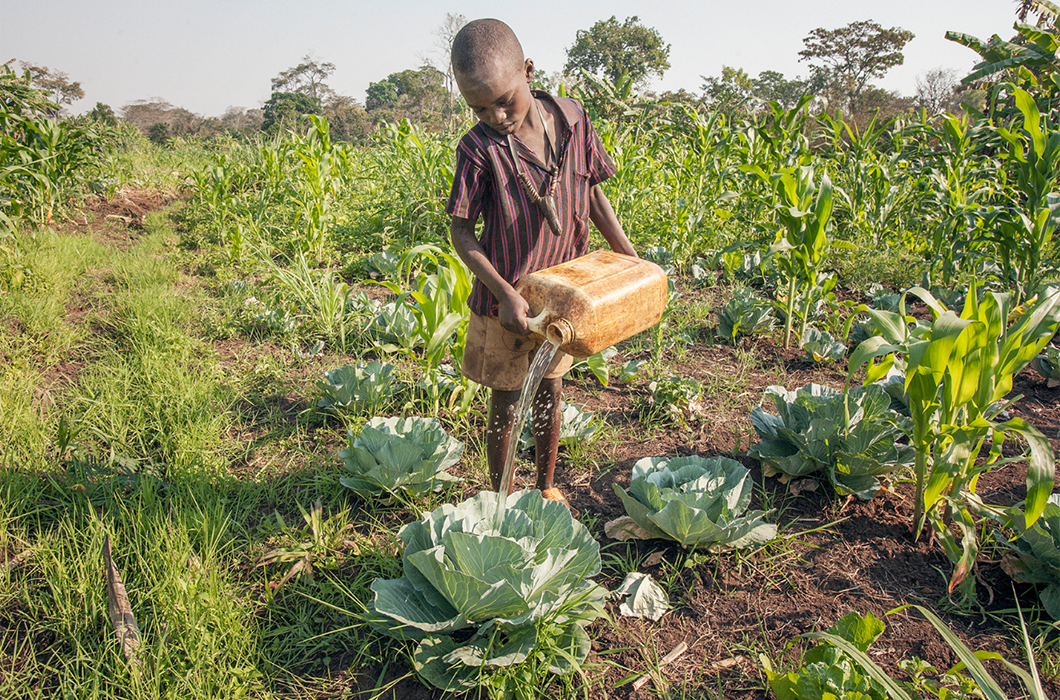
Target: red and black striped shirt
x,y
516,238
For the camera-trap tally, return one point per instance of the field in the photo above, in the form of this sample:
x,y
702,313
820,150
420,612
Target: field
x,y
172,326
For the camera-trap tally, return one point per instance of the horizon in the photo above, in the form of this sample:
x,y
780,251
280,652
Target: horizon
x,y
230,53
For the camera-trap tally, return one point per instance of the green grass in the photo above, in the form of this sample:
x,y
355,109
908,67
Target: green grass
x,y
151,414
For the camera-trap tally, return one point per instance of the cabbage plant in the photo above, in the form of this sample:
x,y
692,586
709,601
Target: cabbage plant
x,y
394,327
482,593
405,456
363,386
851,439
576,425
820,347
744,314
697,501
1034,556
1048,365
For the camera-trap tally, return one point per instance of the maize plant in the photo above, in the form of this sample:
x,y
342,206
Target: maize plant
x,y
958,370
803,210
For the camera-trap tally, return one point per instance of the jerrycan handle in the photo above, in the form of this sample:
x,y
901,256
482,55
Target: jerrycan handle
x,y
537,324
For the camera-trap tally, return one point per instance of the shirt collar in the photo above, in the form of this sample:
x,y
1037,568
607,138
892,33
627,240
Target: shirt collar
x,y
569,113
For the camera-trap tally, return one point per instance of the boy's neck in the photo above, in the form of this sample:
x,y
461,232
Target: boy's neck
x,y
533,131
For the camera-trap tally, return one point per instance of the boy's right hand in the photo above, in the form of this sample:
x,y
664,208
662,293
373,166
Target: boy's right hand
x,y
512,312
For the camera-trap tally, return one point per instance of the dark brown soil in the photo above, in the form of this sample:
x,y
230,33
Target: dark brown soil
x,y
836,555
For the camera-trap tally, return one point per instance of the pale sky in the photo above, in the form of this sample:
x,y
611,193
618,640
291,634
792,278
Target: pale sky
x,y
206,55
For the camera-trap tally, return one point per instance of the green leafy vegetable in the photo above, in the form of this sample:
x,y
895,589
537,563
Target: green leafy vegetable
x,y
577,425
1034,557
1048,365
674,399
820,347
695,501
394,327
643,597
406,456
829,672
479,594
853,440
360,387
597,364
744,314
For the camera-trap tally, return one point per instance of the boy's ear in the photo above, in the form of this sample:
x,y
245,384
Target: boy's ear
x,y
528,67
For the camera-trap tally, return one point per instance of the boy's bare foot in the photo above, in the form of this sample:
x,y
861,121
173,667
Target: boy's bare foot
x,y
554,494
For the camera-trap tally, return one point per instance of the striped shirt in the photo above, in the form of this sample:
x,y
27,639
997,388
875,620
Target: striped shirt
x,y
516,237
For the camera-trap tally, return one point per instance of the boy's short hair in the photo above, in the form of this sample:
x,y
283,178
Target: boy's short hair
x,y
485,44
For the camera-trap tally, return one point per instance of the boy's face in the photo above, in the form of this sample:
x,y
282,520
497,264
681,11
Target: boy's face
x,y
500,99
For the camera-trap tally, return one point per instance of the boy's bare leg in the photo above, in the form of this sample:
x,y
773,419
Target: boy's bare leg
x,y
546,423
499,432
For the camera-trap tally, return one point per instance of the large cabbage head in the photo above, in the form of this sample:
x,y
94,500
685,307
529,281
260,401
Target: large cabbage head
x,y
400,456
697,501
507,585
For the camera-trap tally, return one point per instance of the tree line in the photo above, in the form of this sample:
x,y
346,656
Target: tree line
x,y
843,63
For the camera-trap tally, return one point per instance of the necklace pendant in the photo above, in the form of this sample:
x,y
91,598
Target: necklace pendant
x,y
547,203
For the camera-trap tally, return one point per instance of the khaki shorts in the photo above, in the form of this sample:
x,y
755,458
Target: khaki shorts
x,y
497,358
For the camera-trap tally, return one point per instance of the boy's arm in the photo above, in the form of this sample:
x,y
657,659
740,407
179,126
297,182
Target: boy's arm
x,y
511,307
603,217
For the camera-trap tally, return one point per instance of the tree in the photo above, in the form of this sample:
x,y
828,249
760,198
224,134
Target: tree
x,y
285,109
347,120
733,87
103,114
159,133
307,78
936,90
613,50
414,94
241,121
772,86
443,48
55,82
855,54
144,113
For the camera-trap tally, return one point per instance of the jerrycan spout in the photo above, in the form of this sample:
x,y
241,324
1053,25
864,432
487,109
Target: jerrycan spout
x,y
557,331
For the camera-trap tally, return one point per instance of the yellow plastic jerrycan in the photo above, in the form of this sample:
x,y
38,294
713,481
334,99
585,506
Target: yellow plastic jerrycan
x,y
592,302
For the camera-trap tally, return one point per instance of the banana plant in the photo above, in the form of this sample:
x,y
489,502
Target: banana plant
x,y
1029,56
957,372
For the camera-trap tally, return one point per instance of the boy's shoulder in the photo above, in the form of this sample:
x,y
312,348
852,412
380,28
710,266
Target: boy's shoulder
x,y
572,110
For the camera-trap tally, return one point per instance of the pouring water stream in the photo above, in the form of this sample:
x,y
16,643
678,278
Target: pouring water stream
x,y
556,334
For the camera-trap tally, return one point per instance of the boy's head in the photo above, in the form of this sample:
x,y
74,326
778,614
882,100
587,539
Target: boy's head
x,y
492,74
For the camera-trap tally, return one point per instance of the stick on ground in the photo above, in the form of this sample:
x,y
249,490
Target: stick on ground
x,y
668,659
121,614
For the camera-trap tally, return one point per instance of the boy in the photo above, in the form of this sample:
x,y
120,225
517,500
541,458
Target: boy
x,y
528,149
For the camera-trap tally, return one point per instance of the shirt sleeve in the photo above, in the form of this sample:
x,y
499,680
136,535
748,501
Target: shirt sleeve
x,y
598,162
470,183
